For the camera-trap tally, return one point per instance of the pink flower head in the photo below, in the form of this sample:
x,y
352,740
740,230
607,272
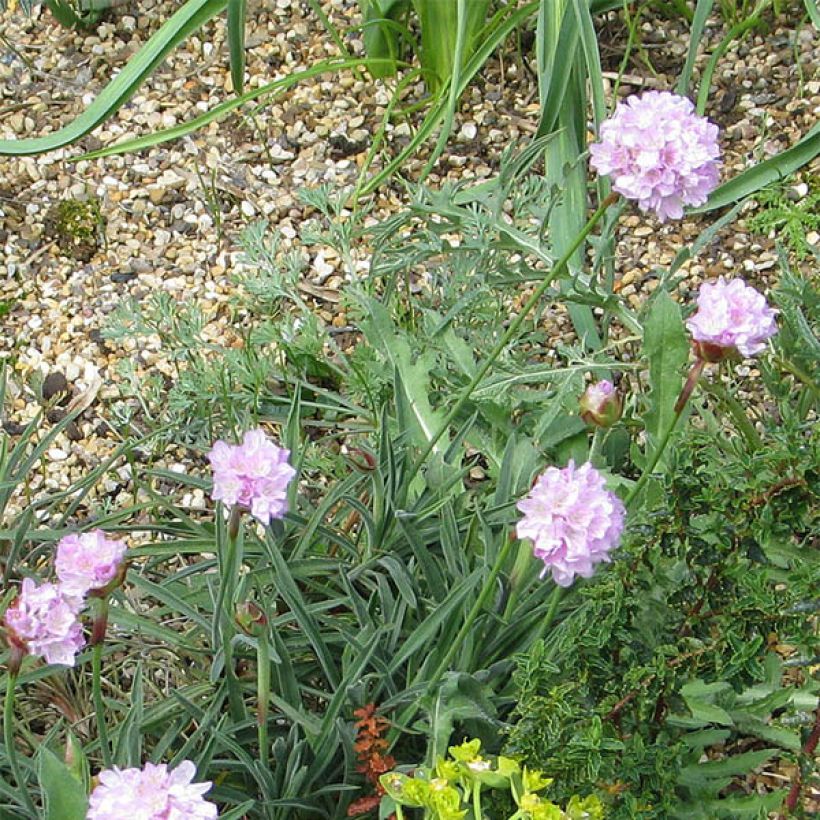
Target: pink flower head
x,y
730,316
42,620
150,793
601,405
88,561
659,152
572,520
254,474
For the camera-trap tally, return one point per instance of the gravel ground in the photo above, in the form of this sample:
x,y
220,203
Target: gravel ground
x,y
172,213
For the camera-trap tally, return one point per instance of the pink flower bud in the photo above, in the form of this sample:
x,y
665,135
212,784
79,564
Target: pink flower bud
x,y
601,404
251,619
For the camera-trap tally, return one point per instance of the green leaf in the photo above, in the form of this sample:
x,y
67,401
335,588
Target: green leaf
x,y
64,794
667,349
702,11
764,173
236,42
192,16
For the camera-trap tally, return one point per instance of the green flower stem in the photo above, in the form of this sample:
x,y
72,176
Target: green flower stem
x,y
399,812
558,269
97,639
680,404
11,748
263,694
477,801
555,599
473,614
598,438
519,571
229,568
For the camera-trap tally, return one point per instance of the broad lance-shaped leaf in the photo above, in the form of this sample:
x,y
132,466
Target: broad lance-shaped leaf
x,y
666,347
192,16
413,382
63,793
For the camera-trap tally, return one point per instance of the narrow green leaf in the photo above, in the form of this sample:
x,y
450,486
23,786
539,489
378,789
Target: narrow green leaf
x,y
64,794
236,42
764,173
193,15
702,11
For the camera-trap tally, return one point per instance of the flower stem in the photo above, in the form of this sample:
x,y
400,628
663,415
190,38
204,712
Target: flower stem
x,y
689,386
11,748
555,599
558,269
229,565
96,680
598,437
473,614
263,694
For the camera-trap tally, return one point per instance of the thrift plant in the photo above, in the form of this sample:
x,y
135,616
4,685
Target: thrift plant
x,y
253,475
43,620
151,793
659,152
572,520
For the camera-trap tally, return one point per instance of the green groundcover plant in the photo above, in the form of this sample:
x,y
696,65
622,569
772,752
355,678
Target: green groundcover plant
x,y
467,546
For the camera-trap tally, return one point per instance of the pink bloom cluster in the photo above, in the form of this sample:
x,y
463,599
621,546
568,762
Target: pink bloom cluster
x,y
572,520
44,621
88,561
150,793
254,474
730,316
659,152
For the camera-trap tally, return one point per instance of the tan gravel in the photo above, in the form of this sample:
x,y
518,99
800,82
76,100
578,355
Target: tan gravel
x,y
172,214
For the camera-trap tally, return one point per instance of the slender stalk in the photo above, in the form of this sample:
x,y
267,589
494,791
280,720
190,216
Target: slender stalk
x,y
229,566
691,381
598,437
473,614
263,694
555,599
558,269
97,639
11,748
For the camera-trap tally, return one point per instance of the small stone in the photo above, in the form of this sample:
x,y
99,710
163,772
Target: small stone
x,y
54,384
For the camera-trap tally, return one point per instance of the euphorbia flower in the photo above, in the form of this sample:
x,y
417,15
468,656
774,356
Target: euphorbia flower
x,y
43,620
254,474
572,520
150,793
731,317
88,561
659,152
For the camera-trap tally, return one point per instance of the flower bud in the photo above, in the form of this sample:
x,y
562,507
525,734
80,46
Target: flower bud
x,y
601,405
251,619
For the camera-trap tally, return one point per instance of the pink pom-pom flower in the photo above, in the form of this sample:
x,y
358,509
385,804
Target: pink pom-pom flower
x,y
731,316
254,474
88,561
659,152
150,793
572,520
43,620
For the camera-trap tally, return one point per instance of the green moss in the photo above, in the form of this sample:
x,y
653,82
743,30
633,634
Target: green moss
x,y
79,227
